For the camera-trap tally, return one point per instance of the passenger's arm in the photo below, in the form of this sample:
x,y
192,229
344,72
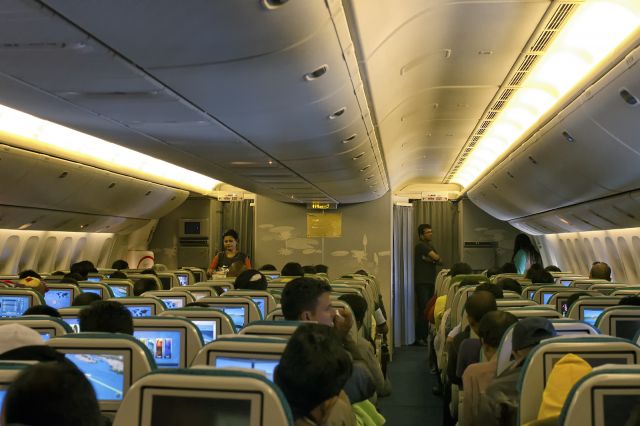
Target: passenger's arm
x,y
213,265
343,323
247,262
433,256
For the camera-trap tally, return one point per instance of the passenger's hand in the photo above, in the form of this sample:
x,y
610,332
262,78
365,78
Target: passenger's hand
x,y
343,321
382,329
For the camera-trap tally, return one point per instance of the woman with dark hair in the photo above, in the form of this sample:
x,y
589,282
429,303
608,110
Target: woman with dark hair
x,y
524,254
230,255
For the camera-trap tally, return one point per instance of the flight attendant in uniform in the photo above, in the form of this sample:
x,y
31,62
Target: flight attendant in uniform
x,y
425,260
230,255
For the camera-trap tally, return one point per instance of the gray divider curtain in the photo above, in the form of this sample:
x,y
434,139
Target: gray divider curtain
x,y
443,217
239,215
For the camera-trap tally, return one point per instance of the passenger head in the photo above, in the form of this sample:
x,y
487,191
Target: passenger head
x,y
143,285
120,264
85,299
71,278
236,269
292,269
56,273
509,284
42,310
313,369
230,240
149,271
358,305
307,299
250,280
533,269
600,270
118,274
309,269
540,276
32,283
362,272
268,267
528,332
508,268
460,268
84,268
630,300
425,232
552,268
29,273
478,304
106,316
52,393
492,327
494,289
322,269
493,271
14,336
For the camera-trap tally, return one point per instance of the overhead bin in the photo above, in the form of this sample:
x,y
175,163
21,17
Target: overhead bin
x,y
589,151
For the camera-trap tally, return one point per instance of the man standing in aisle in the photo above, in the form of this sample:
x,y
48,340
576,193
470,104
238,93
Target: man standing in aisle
x,y
425,258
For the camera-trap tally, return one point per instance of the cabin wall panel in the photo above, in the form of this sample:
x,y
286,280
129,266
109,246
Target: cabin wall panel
x,y
619,248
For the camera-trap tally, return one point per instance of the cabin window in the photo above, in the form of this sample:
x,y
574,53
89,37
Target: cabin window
x,y
627,260
104,253
44,259
78,251
27,257
63,254
8,250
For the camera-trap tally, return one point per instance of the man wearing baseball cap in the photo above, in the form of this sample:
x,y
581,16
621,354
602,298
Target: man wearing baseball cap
x,y
499,404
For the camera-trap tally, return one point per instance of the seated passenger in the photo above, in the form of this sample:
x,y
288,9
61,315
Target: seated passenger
x,y
493,271
477,377
268,267
499,404
508,268
292,269
552,268
84,268
120,264
71,278
118,274
600,270
236,269
322,269
29,273
358,305
31,283
309,269
630,301
149,271
460,268
85,299
143,285
250,280
481,303
540,276
106,316
509,284
312,372
42,310
51,393
494,289
21,343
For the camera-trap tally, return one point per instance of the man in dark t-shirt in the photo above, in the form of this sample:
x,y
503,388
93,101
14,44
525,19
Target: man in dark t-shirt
x,y
424,277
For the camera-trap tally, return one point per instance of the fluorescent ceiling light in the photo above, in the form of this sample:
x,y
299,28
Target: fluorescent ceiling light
x,y
33,133
595,30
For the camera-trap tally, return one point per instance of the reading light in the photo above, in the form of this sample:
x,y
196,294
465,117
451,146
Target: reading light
x,y
595,31
33,133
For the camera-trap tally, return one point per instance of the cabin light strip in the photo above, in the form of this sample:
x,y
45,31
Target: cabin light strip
x,y
594,31
33,133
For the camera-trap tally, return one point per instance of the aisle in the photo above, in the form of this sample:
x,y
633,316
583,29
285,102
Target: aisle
x,y
411,403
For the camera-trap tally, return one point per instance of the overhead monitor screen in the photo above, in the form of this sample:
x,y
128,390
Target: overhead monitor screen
x,y
119,290
590,315
173,302
627,328
237,314
105,372
73,322
140,310
261,304
190,410
265,365
164,345
207,329
97,291
58,298
545,297
183,279
13,306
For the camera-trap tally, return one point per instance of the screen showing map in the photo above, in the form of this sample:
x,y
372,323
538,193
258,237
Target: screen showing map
x,y
173,302
58,298
140,310
105,372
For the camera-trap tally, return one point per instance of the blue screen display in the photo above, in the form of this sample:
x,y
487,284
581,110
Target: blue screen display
x,y
3,392
532,293
74,323
183,279
546,297
565,283
45,336
207,328
94,279
164,345
265,365
92,290
261,304
237,314
58,298
13,306
591,315
119,290
140,310
105,372
173,302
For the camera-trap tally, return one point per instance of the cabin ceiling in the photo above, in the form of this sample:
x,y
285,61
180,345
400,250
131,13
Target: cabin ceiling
x,y
219,87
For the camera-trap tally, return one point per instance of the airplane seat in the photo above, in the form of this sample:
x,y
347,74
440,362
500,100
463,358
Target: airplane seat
x,y
120,287
102,290
440,280
140,306
276,315
533,311
60,295
211,322
509,295
444,286
198,291
595,349
459,302
173,299
111,361
14,301
263,299
9,370
619,321
589,308
514,303
272,328
608,288
242,310
608,392
47,326
71,316
204,396
243,351
173,341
